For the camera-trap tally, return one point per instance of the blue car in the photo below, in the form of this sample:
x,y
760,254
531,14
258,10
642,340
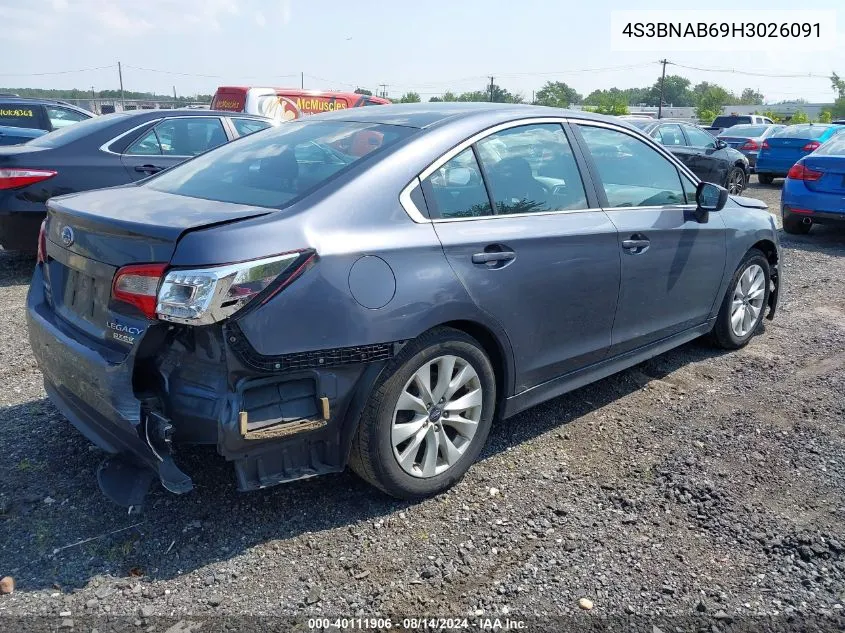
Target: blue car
x,y
371,287
23,119
814,191
10,135
783,149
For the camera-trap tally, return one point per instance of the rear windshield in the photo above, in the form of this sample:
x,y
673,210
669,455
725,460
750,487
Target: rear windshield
x,y
274,168
730,121
746,130
19,115
71,133
640,124
834,147
803,131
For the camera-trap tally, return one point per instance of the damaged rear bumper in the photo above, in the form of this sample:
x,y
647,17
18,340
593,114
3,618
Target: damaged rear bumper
x,y
277,419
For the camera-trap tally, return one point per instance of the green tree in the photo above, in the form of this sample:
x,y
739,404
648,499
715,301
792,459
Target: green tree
x,y
799,116
614,104
825,116
410,97
500,95
676,92
709,102
774,117
751,97
361,91
557,94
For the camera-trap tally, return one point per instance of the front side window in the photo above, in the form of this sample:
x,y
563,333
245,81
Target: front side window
x,y
278,166
699,138
632,173
531,168
62,117
456,190
248,126
147,145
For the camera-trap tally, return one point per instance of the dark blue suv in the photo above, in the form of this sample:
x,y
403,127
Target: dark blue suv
x,y
23,119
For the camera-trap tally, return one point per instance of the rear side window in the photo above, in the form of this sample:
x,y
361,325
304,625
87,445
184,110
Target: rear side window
x,y
530,169
186,136
19,115
247,126
671,135
632,173
278,166
61,117
457,189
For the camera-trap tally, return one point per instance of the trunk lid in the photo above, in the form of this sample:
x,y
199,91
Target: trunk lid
x,y
833,170
92,234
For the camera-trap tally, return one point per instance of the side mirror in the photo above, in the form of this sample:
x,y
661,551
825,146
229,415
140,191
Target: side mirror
x,y
710,197
720,144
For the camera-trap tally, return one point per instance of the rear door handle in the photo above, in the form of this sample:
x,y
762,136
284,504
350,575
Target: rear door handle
x,y
636,245
148,169
499,256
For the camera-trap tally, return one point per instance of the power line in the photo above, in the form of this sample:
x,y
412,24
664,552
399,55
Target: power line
x,y
752,74
57,72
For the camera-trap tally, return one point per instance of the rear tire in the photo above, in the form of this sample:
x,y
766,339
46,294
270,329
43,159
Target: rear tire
x,y
796,226
406,448
765,179
745,302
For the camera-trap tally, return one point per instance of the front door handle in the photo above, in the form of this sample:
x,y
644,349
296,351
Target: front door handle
x,y
498,256
636,244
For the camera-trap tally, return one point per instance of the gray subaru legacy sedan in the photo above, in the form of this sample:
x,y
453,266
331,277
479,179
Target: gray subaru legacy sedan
x,y
372,287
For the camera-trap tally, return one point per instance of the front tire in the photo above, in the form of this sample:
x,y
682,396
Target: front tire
x,y
745,302
428,417
736,180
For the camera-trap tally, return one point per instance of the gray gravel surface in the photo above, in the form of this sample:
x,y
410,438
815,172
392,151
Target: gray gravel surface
x,y
700,482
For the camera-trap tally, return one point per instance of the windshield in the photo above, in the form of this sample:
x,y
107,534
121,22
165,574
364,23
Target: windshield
x,y
834,147
745,130
281,164
803,131
71,133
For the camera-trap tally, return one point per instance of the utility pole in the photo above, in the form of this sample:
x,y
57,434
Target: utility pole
x,y
383,91
120,76
93,99
302,80
174,96
491,89
662,81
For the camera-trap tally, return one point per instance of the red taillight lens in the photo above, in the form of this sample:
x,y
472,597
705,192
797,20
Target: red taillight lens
x,y
14,178
811,146
41,257
750,144
138,285
799,172
765,145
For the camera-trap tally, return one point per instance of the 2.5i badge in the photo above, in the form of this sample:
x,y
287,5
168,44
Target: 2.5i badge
x,y
124,333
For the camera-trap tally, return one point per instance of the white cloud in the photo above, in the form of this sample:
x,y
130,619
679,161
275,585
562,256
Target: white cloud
x,y
260,20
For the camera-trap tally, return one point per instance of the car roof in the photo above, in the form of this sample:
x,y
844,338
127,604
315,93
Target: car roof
x,y
165,112
10,98
424,115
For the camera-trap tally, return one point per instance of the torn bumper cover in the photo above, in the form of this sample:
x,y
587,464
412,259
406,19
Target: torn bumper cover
x,y
277,419
92,386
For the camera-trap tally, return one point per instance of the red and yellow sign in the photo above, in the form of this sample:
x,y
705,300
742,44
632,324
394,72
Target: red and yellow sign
x,y
316,105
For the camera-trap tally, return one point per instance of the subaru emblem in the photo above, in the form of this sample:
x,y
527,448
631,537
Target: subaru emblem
x,y
67,236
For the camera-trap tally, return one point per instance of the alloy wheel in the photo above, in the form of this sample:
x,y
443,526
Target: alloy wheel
x,y
436,416
748,297
736,182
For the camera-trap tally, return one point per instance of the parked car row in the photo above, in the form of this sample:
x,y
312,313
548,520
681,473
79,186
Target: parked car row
x,y
481,258
22,119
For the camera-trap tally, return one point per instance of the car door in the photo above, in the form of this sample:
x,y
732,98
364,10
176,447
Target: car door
x,y
525,237
672,264
170,142
708,163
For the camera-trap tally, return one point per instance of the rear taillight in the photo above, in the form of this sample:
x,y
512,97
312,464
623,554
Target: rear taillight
x,y
765,145
811,146
138,285
799,172
750,144
15,178
209,295
41,256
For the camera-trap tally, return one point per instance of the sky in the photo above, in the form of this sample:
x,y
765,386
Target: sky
x,y
427,47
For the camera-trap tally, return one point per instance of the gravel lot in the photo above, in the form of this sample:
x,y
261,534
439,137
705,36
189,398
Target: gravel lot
x,y
700,482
